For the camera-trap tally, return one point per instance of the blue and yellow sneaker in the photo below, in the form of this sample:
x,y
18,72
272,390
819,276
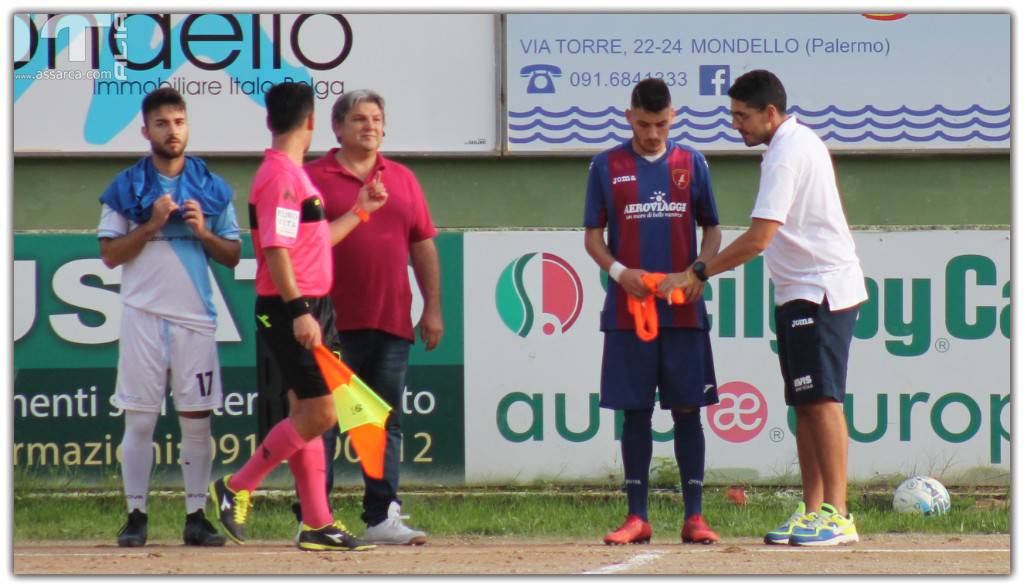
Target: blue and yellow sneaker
x,y
780,535
827,528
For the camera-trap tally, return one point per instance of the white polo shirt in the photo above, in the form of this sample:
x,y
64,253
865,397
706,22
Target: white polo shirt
x,y
812,254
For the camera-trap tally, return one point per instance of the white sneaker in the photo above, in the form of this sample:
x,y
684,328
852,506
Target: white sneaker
x,y
392,531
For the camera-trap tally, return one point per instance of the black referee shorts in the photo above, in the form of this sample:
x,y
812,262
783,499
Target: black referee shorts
x,y
814,349
282,363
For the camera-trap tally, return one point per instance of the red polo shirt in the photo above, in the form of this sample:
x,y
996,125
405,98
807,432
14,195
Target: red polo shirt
x,y
371,277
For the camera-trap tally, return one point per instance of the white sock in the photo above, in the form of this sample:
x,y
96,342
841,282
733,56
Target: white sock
x,y
137,456
196,460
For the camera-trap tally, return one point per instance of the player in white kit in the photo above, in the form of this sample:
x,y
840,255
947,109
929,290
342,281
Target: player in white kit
x,y
162,219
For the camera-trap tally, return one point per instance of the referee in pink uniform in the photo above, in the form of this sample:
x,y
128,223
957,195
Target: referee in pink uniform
x,y
294,314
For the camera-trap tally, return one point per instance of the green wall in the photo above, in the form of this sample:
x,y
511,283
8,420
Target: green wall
x,y
499,192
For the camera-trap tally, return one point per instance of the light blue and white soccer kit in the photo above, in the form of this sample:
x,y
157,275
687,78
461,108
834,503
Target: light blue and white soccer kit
x,y
169,319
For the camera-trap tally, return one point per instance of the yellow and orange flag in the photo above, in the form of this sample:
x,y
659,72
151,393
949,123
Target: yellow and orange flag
x,y
361,413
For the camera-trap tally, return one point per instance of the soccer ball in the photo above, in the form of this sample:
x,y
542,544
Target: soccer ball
x,y
921,494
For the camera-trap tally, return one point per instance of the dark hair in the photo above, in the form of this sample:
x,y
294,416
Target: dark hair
x,y
162,96
651,95
288,105
759,88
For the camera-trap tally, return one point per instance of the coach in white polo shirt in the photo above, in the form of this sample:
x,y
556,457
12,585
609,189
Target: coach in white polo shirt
x,y
798,223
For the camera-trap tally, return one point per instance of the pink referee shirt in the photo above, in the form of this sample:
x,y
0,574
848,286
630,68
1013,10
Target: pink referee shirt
x,y
371,287
285,210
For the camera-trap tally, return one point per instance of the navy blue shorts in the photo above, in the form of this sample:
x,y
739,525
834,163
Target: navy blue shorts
x,y
678,364
814,348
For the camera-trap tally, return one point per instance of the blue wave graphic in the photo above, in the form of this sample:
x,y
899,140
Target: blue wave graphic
x,y
723,123
613,137
999,124
617,123
610,110
830,136
990,125
723,110
937,109
908,137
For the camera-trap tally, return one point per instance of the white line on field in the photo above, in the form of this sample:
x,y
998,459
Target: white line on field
x,y
881,550
633,562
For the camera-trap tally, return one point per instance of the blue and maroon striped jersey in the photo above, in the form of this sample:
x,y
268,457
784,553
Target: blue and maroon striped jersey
x,y
651,210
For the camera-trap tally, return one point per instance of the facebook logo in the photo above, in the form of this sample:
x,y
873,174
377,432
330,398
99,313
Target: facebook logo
x,y
714,80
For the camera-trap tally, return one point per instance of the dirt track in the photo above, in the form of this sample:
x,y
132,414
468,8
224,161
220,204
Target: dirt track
x,y
884,554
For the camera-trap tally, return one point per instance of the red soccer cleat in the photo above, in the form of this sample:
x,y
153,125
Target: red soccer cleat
x,y
696,530
634,530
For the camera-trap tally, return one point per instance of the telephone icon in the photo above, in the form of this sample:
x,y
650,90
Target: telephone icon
x,y
540,75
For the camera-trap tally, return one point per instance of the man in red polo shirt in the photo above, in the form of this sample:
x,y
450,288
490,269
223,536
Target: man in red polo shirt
x,y
371,291
292,240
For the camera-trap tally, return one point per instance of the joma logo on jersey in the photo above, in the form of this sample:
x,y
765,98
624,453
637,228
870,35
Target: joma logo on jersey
x,y
803,322
620,179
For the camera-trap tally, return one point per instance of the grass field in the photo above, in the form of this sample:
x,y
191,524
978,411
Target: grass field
x,y
556,512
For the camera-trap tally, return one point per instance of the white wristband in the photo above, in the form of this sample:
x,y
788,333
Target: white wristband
x,y
616,270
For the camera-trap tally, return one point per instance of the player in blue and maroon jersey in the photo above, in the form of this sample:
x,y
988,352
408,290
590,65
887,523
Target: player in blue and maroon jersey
x,y
650,194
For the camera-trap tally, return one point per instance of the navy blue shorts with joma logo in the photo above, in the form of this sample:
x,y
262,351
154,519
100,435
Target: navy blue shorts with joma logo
x,y
814,349
677,367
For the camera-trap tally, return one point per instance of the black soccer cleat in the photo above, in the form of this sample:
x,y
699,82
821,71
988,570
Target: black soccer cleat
x,y
332,537
232,508
200,532
134,532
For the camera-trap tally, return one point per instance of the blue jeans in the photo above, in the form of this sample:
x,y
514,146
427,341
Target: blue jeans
x,y
381,360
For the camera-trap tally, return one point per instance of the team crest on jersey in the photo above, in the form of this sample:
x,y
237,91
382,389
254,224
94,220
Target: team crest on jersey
x,y
681,178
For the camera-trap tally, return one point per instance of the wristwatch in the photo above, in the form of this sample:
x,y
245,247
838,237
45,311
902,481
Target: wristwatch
x,y
698,270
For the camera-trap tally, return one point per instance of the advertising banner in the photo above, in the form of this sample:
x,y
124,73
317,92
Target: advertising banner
x,y
861,81
929,372
511,394
67,321
79,79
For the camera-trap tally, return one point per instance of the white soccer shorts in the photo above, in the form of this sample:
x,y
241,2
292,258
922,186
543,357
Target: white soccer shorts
x,y
151,345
